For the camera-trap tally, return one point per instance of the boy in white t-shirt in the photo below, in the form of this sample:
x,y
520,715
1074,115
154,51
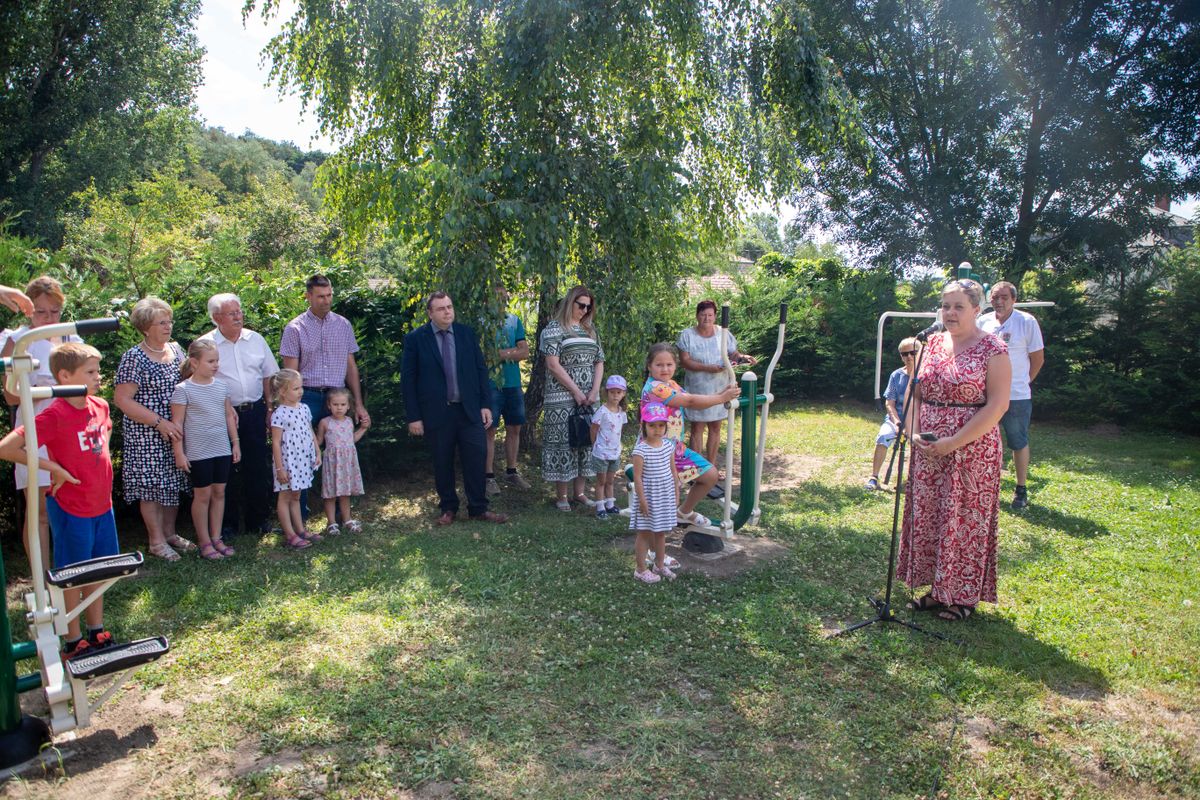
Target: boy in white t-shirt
x,y
1021,332
607,423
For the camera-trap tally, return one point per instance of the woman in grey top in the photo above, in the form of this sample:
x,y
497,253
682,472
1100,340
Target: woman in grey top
x,y
209,446
704,373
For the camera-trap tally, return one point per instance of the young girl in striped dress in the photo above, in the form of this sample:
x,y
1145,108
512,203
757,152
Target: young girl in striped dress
x,y
656,483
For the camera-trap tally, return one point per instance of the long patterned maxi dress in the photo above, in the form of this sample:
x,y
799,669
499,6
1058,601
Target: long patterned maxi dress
x,y
577,353
952,508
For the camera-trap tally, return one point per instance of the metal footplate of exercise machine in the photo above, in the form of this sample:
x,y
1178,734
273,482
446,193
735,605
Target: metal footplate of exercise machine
x,y
95,570
118,658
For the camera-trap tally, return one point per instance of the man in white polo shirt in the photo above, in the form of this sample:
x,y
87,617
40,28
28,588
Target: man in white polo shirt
x,y
1021,332
246,366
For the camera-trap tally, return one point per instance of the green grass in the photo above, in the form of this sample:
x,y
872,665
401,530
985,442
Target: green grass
x,y
523,660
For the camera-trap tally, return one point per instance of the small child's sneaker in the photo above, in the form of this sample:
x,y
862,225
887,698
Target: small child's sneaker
x,y
100,640
83,647
646,576
353,526
664,572
332,529
612,508
601,512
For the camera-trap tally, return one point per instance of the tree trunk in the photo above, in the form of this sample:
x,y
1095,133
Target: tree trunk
x,y
536,391
1022,252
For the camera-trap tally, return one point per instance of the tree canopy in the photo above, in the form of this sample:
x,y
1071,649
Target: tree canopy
x,y
1008,132
91,91
555,140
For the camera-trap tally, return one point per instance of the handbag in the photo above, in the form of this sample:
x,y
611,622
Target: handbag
x,y
579,427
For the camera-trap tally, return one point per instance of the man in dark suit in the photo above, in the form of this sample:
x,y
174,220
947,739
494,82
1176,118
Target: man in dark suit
x,y
446,397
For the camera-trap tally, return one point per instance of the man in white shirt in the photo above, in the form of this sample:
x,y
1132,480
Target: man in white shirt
x,y
246,366
1021,332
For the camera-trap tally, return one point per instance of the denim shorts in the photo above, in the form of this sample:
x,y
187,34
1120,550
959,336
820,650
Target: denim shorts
x,y
509,403
1015,423
887,433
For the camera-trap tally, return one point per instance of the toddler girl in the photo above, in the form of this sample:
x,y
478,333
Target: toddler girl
x,y
655,483
607,423
294,451
209,446
661,388
340,476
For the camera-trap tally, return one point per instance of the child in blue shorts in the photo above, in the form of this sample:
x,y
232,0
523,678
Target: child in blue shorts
x,y
75,432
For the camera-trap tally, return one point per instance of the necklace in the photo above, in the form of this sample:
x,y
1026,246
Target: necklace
x,y
149,349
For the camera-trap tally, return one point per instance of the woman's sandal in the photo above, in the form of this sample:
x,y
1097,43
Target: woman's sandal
x,y
956,613
223,548
563,504
210,553
583,500
296,542
180,544
924,603
164,551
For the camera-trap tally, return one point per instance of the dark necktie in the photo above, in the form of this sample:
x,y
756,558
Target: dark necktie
x,y
448,367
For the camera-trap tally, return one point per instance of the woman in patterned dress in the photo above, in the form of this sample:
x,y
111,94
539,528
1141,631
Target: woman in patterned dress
x,y
146,377
952,505
574,367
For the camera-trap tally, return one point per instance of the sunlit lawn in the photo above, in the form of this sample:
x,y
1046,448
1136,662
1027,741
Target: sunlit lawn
x,y
523,661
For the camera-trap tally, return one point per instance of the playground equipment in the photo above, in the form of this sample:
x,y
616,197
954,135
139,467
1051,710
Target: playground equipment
x,y
65,684
753,444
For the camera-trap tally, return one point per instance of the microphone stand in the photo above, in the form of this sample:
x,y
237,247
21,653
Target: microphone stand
x,y
883,608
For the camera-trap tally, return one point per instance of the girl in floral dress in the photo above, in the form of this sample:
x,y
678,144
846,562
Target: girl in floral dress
x,y
340,475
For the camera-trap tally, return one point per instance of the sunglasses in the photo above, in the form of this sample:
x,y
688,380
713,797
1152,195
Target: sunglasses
x,y
907,353
584,306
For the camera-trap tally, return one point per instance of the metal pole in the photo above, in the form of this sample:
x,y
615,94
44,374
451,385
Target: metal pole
x,y
748,402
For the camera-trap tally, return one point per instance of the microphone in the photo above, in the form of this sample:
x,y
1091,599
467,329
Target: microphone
x,y
936,327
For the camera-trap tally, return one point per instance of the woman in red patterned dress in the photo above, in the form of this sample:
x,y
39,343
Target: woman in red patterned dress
x,y
953,495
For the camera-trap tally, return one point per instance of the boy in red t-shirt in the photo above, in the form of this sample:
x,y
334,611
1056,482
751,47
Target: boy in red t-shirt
x,y
75,432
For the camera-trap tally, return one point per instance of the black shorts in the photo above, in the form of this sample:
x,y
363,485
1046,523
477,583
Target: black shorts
x,y
208,471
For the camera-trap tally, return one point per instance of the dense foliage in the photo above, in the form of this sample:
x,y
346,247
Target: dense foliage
x,y
1008,133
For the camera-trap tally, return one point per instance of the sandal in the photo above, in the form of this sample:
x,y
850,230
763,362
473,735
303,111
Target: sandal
x,y
297,543
353,526
694,518
668,561
563,504
181,544
311,538
223,548
956,613
210,553
583,500
924,603
164,551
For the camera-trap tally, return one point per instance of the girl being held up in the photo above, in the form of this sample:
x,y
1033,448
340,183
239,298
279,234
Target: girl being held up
x,y
340,476
661,388
209,446
294,451
607,423
656,484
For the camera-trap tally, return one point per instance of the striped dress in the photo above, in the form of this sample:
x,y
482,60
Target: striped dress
x,y
658,482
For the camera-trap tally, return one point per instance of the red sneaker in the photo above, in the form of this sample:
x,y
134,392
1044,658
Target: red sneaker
x,y
80,648
100,640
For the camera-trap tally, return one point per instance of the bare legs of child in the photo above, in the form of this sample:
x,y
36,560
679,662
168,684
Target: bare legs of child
x,y
642,544
288,510
208,509
342,506
700,488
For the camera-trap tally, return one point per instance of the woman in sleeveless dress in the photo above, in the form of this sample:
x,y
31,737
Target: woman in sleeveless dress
x,y
951,513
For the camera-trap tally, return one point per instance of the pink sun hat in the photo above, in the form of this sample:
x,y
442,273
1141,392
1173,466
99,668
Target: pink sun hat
x,y
654,412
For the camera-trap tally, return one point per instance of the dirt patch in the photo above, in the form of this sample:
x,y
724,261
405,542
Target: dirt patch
x,y
976,733
1105,429
754,551
434,790
782,470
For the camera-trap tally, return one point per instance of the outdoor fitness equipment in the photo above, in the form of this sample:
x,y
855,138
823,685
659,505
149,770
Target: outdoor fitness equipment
x,y
64,684
753,444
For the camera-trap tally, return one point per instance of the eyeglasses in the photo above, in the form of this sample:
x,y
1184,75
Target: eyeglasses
x,y
907,353
585,307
